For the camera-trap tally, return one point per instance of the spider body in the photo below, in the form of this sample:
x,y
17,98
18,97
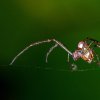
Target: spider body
x,y
85,50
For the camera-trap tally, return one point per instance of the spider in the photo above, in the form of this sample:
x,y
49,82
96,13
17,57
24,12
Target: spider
x,y
85,50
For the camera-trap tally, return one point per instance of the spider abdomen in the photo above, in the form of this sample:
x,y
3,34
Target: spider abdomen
x,y
88,56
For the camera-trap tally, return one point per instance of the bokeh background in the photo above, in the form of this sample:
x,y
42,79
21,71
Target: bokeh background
x,y
25,21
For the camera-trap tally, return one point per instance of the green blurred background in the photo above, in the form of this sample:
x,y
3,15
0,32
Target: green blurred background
x,y
25,21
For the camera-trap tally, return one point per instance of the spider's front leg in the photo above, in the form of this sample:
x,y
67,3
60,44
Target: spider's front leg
x,y
25,49
57,43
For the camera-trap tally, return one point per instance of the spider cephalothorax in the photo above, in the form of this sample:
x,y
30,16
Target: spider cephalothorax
x,y
84,50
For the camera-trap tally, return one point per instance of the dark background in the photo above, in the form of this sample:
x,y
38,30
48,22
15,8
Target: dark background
x,y
25,21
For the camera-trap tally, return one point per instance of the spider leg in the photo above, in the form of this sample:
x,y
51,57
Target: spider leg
x,y
68,57
91,39
98,60
97,43
50,50
37,43
62,46
74,67
98,46
31,45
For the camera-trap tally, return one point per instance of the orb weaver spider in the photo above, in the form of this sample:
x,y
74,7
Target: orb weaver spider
x,y
84,50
